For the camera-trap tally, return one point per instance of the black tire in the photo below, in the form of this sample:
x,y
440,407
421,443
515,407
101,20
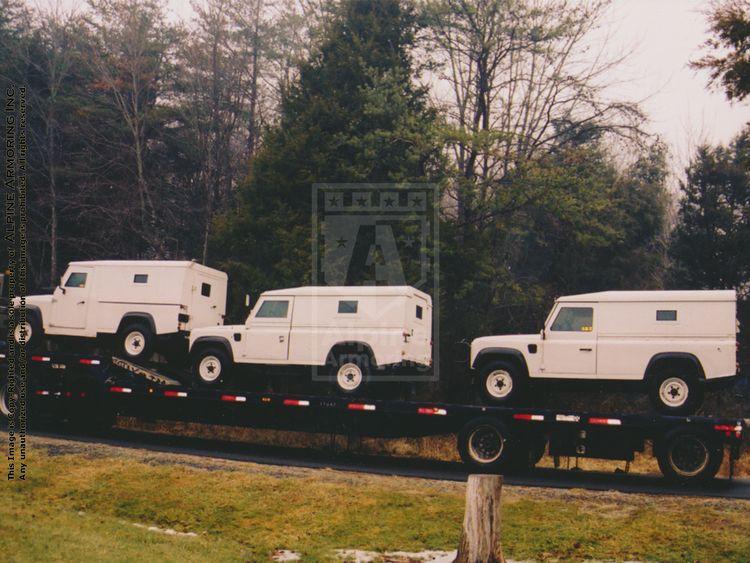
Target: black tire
x,y
500,383
486,445
4,399
34,331
350,370
136,341
210,366
686,456
675,392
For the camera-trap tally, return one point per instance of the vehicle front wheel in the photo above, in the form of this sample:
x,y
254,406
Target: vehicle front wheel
x,y
676,393
211,367
686,456
500,383
135,341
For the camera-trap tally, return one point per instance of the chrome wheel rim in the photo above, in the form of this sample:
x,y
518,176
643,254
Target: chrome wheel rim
x,y
688,456
349,376
673,391
209,368
134,343
499,384
485,444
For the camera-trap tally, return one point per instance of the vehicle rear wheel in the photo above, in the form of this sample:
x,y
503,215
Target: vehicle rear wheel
x,y
500,382
686,456
33,330
676,393
351,371
484,444
135,341
211,366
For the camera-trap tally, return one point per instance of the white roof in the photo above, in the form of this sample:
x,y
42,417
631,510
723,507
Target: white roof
x,y
349,290
645,296
149,264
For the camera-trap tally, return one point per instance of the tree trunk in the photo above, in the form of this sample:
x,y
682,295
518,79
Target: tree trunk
x,y
480,538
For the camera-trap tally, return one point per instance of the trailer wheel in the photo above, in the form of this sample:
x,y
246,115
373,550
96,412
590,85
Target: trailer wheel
x,y
4,402
135,341
500,382
676,393
211,365
686,456
484,443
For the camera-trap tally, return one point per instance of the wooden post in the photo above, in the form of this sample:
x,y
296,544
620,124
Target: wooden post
x,y
480,538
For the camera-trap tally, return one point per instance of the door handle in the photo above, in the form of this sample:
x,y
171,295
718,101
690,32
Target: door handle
x,y
281,339
80,303
586,349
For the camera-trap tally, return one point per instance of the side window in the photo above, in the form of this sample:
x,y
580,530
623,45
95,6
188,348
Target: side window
x,y
273,310
206,290
666,315
140,278
348,306
419,311
76,279
574,319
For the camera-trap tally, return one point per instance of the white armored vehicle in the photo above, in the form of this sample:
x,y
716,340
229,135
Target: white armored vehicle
x,y
139,301
351,330
674,342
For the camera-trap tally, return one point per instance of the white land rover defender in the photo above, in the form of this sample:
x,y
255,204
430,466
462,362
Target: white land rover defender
x,y
136,300
351,330
676,342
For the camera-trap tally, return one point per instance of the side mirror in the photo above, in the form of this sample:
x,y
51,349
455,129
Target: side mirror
x,y
62,289
544,334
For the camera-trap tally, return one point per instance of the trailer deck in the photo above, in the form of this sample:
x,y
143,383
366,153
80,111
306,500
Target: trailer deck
x,y
93,390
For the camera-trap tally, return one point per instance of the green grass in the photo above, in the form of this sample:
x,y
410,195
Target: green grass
x,y
77,507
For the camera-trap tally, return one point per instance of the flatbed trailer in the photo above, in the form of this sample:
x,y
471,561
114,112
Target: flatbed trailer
x,y
93,390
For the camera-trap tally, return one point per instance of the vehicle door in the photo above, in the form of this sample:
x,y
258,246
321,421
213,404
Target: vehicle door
x,y
267,330
70,301
569,347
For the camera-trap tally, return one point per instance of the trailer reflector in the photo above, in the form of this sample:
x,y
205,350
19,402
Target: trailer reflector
x,y
172,393
432,411
234,398
40,358
296,403
360,407
88,362
606,421
530,417
120,390
729,429
567,418
42,392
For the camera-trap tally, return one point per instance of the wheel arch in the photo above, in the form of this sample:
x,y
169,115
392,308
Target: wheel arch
x,y
507,354
664,360
137,317
349,344
208,341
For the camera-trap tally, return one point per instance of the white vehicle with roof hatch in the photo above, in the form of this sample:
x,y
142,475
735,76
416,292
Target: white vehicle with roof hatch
x,y
352,330
139,301
676,342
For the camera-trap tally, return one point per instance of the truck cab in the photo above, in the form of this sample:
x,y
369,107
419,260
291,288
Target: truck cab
x,y
674,342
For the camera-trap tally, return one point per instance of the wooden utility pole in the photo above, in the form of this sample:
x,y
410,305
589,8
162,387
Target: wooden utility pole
x,y
480,538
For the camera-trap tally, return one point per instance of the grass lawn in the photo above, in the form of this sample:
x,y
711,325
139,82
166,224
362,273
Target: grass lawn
x,y
93,504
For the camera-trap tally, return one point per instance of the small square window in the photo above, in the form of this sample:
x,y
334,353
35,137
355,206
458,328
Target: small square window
x,y
206,290
140,278
419,311
666,315
348,306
